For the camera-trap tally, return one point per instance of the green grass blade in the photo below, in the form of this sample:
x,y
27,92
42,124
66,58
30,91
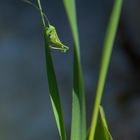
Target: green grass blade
x,y
107,50
54,94
53,89
78,126
102,132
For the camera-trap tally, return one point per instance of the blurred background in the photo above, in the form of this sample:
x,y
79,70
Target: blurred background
x,y
25,109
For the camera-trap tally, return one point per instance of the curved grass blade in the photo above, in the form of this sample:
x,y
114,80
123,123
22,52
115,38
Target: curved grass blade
x,y
78,126
53,89
106,55
102,132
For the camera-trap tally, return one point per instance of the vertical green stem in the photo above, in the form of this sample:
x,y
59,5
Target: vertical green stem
x,y
106,55
41,13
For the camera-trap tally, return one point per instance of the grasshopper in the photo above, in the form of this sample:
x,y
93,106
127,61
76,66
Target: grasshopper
x,y
50,31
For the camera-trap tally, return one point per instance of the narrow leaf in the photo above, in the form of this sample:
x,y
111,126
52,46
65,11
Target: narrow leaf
x,y
102,132
106,55
78,127
52,82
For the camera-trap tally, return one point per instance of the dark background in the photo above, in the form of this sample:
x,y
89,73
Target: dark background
x,y
25,109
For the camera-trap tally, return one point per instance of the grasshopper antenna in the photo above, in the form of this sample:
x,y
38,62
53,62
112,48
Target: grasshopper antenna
x,y
36,7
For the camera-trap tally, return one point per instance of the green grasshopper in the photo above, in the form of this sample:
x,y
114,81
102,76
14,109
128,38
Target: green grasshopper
x,y
52,37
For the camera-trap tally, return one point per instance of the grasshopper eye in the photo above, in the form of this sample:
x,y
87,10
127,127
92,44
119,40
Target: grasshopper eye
x,y
49,36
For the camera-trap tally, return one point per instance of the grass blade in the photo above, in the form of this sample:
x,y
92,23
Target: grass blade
x,y
78,126
54,93
102,132
53,89
107,50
